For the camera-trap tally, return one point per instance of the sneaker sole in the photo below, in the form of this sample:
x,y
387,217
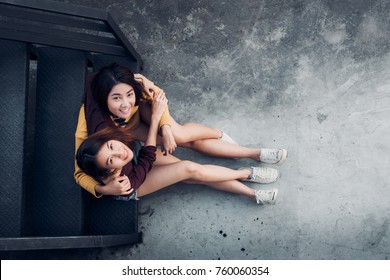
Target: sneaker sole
x,y
284,157
274,198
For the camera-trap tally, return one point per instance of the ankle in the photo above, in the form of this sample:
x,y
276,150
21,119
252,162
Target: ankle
x,y
246,174
252,196
256,155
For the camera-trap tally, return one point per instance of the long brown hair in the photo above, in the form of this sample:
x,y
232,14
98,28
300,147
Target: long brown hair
x,y
86,153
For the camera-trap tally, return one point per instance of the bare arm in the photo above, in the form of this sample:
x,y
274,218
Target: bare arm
x,y
158,107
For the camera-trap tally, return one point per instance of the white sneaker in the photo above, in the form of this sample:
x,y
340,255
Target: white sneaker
x,y
226,138
266,196
273,156
262,175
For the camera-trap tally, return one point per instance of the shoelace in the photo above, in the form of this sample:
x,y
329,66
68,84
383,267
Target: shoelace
x,y
262,196
258,174
272,155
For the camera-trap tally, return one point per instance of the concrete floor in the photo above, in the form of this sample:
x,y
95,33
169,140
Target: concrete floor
x,y
311,76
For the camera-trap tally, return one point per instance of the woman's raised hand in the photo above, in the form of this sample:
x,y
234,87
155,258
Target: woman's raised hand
x,y
116,185
147,85
159,104
168,141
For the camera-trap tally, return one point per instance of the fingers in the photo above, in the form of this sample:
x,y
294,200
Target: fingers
x,y
160,96
168,150
138,78
122,178
171,149
159,104
169,143
129,191
124,184
120,185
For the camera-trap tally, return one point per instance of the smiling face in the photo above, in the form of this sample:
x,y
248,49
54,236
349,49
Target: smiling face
x,y
114,155
121,100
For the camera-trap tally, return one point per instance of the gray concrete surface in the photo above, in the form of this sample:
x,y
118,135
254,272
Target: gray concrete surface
x,y
312,76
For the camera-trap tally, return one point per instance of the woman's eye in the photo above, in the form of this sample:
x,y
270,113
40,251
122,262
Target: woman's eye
x,y
110,146
130,94
110,160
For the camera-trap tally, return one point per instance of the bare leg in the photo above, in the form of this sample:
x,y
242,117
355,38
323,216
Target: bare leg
x,y
204,139
185,133
169,170
218,148
193,131
233,186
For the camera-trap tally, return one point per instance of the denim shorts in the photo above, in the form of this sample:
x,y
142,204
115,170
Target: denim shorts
x,y
133,195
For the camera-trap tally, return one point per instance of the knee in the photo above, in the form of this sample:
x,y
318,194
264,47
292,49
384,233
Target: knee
x,y
188,145
182,139
194,170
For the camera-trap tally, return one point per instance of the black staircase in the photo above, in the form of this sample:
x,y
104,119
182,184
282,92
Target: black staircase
x,y
46,50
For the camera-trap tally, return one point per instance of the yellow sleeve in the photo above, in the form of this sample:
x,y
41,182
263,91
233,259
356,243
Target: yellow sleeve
x,y
165,118
85,181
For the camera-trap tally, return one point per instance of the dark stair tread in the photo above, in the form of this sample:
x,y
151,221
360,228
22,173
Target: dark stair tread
x,y
55,205
57,201
109,216
13,83
101,60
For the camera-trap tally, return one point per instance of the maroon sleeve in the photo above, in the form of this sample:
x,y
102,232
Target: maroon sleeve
x,y
137,172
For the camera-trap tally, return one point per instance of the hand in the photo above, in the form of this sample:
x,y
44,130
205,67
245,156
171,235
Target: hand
x,y
116,185
146,84
159,104
168,141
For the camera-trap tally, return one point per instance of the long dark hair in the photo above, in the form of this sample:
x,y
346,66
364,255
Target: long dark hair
x,y
86,153
109,76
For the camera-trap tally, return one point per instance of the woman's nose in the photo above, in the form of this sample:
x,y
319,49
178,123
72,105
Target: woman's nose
x,y
124,103
120,153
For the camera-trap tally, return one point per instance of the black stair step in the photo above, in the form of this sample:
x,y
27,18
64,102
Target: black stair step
x,y
101,60
57,207
14,65
107,216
